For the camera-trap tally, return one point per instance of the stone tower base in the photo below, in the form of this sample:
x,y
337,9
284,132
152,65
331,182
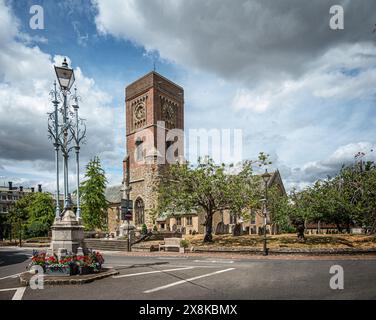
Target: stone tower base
x,y
67,233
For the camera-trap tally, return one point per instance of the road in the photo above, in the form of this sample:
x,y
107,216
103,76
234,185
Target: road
x,y
198,277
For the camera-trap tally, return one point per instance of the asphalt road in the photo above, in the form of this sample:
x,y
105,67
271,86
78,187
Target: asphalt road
x,y
200,277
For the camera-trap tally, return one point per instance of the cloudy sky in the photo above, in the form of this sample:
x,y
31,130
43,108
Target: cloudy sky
x,y
298,90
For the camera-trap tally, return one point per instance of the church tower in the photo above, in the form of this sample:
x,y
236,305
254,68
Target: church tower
x,y
154,105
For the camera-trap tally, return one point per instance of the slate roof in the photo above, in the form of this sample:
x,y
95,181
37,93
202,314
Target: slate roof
x,y
114,194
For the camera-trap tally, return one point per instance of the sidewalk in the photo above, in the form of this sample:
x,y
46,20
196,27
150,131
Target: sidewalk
x,y
255,254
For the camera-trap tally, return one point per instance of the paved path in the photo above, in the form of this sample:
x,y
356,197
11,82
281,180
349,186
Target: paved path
x,y
196,276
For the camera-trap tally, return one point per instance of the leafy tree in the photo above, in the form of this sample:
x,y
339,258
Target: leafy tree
x,y
32,215
207,187
345,199
300,210
18,216
93,200
41,212
279,208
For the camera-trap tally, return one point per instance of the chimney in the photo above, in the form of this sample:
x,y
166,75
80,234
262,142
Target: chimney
x,y
10,185
39,188
32,189
21,188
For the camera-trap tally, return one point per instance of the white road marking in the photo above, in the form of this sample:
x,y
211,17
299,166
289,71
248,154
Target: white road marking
x,y
215,261
187,280
11,276
9,289
116,265
171,258
150,272
19,292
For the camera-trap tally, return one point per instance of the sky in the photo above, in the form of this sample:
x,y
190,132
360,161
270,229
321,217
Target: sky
x,y
297,90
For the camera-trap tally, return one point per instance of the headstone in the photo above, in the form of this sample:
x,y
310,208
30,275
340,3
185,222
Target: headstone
x,y
221,228
237,231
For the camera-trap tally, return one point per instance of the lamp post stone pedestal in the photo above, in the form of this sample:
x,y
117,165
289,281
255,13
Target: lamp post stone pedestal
x,y
67,233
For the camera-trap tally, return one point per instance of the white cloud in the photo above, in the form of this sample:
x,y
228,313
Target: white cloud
x,y
315,170
26,77
242,40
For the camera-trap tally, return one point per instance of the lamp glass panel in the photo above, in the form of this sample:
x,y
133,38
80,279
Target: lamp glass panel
x,y
266,177
65,77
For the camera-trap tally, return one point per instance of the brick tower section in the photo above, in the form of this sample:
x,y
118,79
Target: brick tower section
x,y
150,99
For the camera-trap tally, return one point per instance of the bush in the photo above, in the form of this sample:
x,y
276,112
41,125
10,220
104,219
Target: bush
x,y
38,240
37,229
184,243
144,229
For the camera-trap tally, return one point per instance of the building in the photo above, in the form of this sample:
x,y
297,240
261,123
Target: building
x,y
331,228
154,106
8,196
113,197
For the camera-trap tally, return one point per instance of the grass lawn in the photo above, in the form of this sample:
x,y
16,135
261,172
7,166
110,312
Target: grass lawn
x,y
288,241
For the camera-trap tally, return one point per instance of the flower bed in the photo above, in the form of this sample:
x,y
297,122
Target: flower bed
x,y
67,265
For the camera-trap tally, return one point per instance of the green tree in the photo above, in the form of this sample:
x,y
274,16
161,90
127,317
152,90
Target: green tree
x,y
32,215
41,211
18,216
208,188
279,208
347,198
93,200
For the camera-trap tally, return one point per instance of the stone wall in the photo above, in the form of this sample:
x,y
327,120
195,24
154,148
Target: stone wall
x,y
113,213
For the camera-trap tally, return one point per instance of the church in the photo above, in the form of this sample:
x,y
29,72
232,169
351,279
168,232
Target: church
x,y
155,110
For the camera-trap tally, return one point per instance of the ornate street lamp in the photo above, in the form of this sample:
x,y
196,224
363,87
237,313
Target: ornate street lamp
x,y
65,76
78,134
64,126
53,128
266,177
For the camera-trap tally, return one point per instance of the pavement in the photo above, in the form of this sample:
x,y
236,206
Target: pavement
x,y
172,276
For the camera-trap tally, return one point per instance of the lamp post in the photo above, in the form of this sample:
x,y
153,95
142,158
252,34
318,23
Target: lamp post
x,y
63,129
126,195
265,177
78,135
65,76
55,128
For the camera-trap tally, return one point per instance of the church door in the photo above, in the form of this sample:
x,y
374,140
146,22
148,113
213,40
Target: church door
x,y
139,211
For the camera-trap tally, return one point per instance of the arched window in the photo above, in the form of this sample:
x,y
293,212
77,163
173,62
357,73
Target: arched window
x,y
139,211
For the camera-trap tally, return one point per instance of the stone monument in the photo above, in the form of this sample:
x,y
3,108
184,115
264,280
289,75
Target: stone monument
x,y
67,233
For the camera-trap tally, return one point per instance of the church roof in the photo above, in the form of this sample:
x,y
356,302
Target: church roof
x,y
114,193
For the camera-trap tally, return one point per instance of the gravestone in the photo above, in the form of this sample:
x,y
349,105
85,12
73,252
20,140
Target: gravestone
x,y
237,231
221,228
